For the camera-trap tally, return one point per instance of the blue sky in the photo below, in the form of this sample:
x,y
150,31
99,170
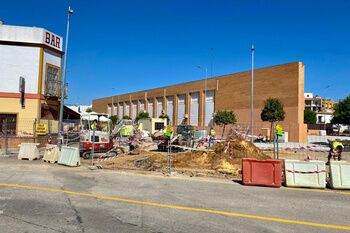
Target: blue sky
x,y
123,46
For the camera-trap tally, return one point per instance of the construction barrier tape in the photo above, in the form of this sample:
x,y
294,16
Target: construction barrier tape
x,y
307,172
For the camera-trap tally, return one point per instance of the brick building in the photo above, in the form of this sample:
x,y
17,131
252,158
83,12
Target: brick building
x,y
228,92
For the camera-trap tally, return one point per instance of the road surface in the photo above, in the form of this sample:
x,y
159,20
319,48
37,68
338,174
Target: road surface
x,y
41,197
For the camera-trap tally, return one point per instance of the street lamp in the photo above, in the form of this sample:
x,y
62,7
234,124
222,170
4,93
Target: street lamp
x,y
63,83
252,97
205,87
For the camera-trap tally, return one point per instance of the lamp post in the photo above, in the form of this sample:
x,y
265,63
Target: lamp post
x,y
205,89
63,82
252,97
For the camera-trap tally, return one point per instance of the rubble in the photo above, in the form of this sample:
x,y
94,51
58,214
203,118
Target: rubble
x,y
223,160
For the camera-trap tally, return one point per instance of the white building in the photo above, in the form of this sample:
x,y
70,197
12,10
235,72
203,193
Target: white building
x,y
80,108
35,54
324,117
312,102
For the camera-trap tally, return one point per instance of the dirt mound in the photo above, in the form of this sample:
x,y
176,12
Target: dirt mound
x,y
236,147
224,161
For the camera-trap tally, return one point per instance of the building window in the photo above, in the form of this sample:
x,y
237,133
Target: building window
x,y
52,80
158,125
8,124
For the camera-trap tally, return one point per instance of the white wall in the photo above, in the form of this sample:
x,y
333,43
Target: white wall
x,y
21,34
30,35
326,118
308,95
16,61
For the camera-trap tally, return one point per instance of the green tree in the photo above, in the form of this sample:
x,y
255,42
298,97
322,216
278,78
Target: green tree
x,y
126,117
272,112
88,110
342,112
114,120
223,118
309,117
142,115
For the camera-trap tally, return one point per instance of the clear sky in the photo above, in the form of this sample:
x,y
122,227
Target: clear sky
x,y
123,46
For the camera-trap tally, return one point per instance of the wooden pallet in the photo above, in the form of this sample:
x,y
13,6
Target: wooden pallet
x,y
48,161
30,159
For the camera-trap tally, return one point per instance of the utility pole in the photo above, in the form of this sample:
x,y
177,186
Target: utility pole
x,y
252,98
63,82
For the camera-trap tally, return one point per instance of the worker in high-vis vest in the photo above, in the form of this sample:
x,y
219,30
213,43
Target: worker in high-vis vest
x,y
92,125
335,151
211,137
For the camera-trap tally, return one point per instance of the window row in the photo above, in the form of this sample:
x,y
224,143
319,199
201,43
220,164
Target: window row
x,y
155,107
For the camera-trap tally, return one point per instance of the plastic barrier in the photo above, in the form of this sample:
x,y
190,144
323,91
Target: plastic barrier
x,y
262,172
28,151
69,156
311,174
200,134
339,172
51,154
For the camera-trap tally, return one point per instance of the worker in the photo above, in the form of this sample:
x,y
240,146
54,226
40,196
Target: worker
x,y
93,125
212,135
185,120
335,151
168,132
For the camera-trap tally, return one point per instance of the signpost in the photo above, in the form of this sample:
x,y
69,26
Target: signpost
x,y
279,132
22,89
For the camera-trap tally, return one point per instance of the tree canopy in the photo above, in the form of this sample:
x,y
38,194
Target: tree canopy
x,y
342,112
309,117
273,110
143,114
114,119
223,118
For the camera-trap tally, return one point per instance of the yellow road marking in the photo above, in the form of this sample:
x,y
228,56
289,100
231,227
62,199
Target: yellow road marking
x,y
222,182
317,190
185,208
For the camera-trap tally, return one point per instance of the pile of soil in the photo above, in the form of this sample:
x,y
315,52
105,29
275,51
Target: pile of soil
x,y
225,160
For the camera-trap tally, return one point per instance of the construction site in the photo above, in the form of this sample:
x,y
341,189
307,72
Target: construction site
x,y
174,117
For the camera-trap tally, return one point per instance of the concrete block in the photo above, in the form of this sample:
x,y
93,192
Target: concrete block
x,y
29,151
339,172
69,156
51,154
300,173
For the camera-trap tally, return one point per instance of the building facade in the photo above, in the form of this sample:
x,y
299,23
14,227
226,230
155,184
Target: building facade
x,y
36,55
199,100
313,103
80,108
323,107
327,105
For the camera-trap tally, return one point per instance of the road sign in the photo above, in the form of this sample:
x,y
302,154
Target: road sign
x,y
279,130
41,129
279,127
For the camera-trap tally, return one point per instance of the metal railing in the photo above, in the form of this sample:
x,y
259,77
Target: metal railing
x,y
53,88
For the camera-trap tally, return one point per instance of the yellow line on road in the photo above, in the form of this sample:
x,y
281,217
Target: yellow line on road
x,y
317,190
222,182
185,208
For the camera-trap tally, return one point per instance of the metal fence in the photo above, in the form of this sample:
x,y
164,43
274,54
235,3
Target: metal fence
x,y
15,132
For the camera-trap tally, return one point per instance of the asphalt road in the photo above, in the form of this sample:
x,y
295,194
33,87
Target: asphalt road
x,y
41,197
